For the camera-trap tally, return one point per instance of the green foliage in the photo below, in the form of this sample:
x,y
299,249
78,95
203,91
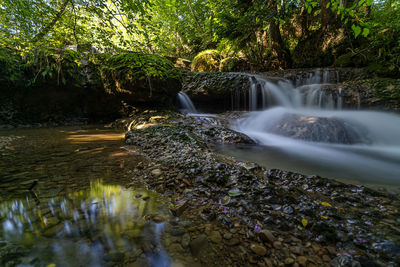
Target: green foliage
x,y
121,71
233,64
54,67
206,61
11,70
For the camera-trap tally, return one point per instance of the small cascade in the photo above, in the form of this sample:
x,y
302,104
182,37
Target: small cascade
x,y
185,103
265,92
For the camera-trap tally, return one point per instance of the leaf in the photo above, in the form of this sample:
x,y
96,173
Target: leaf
x,y
328,5
324,217
365,32
356,30
326,204
369,2
234,193
304,222
309,10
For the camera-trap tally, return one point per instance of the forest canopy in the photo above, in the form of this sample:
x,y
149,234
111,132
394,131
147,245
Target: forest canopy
x,y
265,34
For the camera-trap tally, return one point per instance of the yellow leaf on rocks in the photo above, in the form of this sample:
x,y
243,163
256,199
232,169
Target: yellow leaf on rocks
x,y
326,204
324,217
304,222
51,265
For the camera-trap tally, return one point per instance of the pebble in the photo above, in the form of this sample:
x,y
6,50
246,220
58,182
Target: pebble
x,y
228,236
233,241
215,237
156,172
185,241
266,235
301,260
289,261
196,245
258,249
277,245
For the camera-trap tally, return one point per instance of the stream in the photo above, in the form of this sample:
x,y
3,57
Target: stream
x,y
68,200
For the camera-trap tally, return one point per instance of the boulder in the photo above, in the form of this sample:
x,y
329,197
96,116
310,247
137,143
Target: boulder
x,y
317,129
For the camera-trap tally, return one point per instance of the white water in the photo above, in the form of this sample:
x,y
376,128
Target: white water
x,y
186,104
375,159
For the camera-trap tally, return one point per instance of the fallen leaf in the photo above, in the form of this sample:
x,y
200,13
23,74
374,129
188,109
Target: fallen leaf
x,y
304,222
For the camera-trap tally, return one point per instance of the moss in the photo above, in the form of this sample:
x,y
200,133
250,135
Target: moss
x,y
119,72
230,64
208,60
343,60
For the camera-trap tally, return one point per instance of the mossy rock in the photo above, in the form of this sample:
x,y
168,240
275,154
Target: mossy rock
x,y
137,77
231,64
206,61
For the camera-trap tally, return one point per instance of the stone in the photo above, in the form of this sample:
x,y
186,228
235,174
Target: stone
x,y
185,241
158,219
215,237
266,236
196,245
317,129
228,236
176,231
258,249
326,258
156,172
233,241
301,260
178,209
277,245
289,261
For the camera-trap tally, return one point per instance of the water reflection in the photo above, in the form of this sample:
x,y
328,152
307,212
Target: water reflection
x,y
101,226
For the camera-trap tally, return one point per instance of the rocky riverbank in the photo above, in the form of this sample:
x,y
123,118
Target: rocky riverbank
x,y
226,212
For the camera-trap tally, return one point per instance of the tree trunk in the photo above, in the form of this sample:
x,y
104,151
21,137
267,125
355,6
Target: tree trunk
x,y
53,22
278,48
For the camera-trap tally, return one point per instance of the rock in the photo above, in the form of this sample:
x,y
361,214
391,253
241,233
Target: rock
x,y
326,258
176,231
277,245
215,237
116,256
289,261
258,249
178,209
233,241
198,244
185,241
228,236
266,236
317,129
156,172
158,219
301,260
344,261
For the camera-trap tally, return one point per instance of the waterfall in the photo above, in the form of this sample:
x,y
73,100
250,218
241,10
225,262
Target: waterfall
x,y
185,103
265,92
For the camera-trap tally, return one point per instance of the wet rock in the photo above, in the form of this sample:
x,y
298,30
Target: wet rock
x,y
178,209
258,249
301,260
185,241
158,219
175,231
196,245
390,249
156,172
266,236
317,129
228,236
344,261
233,242
289,261
215,237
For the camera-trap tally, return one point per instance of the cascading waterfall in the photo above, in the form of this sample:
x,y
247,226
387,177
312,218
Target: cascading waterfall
x,y
185,103
303,128
267,92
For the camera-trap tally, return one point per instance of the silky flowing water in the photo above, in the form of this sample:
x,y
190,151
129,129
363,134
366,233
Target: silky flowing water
x,y
67,199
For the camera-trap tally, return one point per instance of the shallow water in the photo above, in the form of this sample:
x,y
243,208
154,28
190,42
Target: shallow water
x,y
65,200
